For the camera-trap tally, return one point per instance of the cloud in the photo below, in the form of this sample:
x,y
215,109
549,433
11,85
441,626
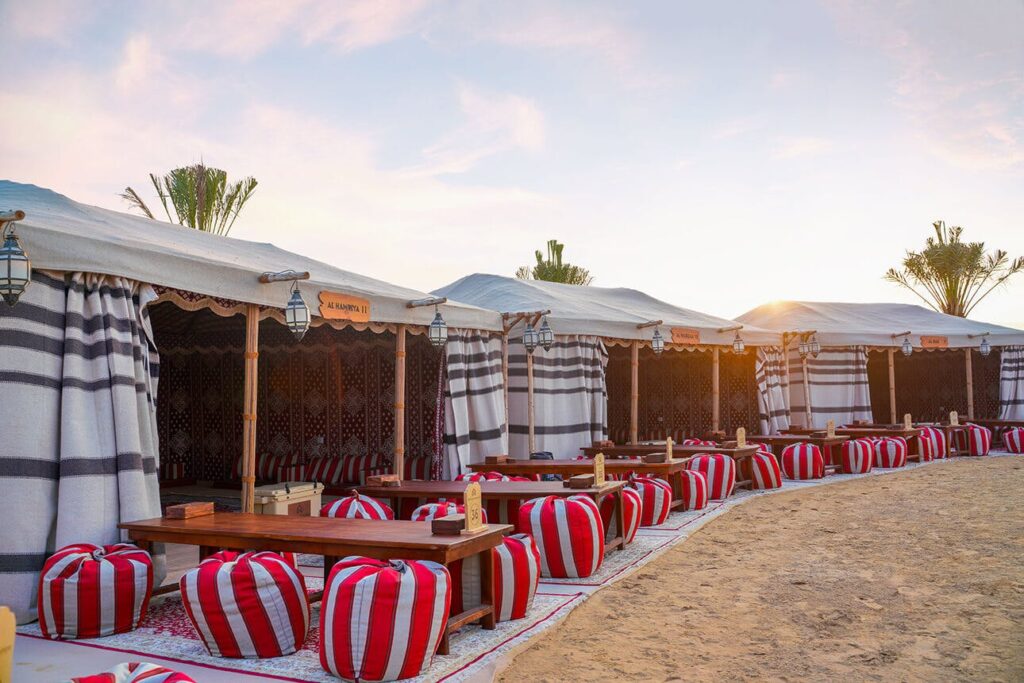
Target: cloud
x,y
52,20
796,147
733,128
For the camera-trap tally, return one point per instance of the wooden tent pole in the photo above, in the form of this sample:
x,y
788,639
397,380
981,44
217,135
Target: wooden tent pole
x,y
532,443
716,401
399,463
252,338
504,376
807,393
892,386
634,392
970,382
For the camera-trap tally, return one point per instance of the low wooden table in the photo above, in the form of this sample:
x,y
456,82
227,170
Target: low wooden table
x,y
506,490
333,538
639,450
911,435
997,426
950,431
827,444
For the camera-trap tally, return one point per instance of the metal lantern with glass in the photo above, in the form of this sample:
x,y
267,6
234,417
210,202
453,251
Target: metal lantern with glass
x,y
738,347
815,347
907,347
15,266
657,342
545,336
438,330
296,314
531,338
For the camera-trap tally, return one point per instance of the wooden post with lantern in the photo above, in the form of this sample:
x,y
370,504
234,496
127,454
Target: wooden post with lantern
x,y
252,336
716,400
807,393
531,423
399,463
970,383
892,386
634,391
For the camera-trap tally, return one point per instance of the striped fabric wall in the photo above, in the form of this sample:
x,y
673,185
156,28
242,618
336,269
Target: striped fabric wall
x,y
838,384
772,390
474,401
1011,383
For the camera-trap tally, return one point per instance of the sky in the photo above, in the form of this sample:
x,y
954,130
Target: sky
x,y
717,155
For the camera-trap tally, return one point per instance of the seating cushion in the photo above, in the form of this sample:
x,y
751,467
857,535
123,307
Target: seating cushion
x,y
802,461
975,440
418,467
720,472
632,505
344,469
857,456
765,471
568,534
656,500
357,507
695,490
1013,439
516,563
431,511
90,591
890,451
932,444
136,672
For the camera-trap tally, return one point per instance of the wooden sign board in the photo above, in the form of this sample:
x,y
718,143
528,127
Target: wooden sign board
x,y
334,306
954,419
934,342
908,422
741,437
473,502
599,469
830,429
686,336
669,443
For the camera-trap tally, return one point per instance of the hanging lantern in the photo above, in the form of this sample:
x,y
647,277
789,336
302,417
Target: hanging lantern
x,y
530,338
984,349
657,342
738,347
438,331
907,347
546,336
296,314
815,346
802,347
15,268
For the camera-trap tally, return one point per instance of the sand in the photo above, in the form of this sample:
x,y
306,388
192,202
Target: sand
x,y
915,576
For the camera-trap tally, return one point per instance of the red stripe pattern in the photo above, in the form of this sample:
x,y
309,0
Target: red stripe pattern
x,y
975,440
383,621
326,470
802,461
357,507
431,511
656,497
90,591
890,451
857,456
697,442
253,606
267,465
136,672
720,472
1013,439
765,471
418,467
568,534
632,507
695,489
761,447
932,444
516,576
233,555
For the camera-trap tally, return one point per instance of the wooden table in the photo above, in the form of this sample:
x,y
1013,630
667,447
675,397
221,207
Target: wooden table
x,y
911,435
639,450
997,426
332,538
827,444
506,490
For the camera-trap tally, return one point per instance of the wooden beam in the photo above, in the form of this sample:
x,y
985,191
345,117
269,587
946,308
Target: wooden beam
x,y
970,382
532,443
892,386
716,402
634,391
12,216
399,461
284,276
252,339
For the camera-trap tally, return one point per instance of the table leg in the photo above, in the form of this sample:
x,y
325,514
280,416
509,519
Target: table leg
x,y
329,562
620,517
677,486
206,550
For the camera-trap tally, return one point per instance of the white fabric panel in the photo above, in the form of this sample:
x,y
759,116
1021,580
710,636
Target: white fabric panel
x,y
772,389
570,399
1011,383
837,383
474,401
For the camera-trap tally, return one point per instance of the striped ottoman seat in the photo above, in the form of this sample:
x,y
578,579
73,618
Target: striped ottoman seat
x,y
632,505
499,511
401,609
252,606
857,456
890,452
90,591
357,507
932,444
975,440
719,471
765,472
656,500
695,490
516,563
1013,439
136,672
568,534
802,461
431,511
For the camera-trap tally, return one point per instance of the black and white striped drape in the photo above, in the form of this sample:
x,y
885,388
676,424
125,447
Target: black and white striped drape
x,y
474,401
78,377
838,386
772,389
570,396
1011,383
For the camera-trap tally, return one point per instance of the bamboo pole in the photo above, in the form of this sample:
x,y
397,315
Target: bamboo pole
x,y
634,392
970,383
399,463
252,338
892,386
532,443
716,402
807,393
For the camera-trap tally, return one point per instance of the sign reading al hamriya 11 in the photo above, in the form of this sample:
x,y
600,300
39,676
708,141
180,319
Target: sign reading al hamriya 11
x,y
334,306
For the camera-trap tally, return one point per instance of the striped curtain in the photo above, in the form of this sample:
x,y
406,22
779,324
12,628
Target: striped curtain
x,y
474,419
1011,383
78,377
837,384
772,389
570,398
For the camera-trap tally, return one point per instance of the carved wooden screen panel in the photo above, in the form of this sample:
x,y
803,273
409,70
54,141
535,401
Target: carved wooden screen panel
x,y
878,385
617,380
929,384
986,384
675,392
738,388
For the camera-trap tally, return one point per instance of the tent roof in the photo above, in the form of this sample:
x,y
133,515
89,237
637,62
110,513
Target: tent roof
x,y
61,234
846,324
600,311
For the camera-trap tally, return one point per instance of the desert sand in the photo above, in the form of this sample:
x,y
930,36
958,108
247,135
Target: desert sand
x,y
914,576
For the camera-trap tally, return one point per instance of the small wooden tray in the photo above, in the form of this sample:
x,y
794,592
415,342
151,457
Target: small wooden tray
x,y
449,525
189,510
496,459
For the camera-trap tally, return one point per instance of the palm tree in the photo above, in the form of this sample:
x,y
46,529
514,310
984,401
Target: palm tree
x,y
953,276
201,196
553,269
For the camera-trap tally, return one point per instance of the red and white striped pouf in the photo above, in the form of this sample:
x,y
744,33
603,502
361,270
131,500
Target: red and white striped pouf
x,y
568,534
516,564
253,606
890,451
90,591
802,461
431,511
975,440
697,442
382,621
720,472
761,447
1013,439
695,490
765,471
656,497
232,555
632,506
136,672
931,444
857,456
357,507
